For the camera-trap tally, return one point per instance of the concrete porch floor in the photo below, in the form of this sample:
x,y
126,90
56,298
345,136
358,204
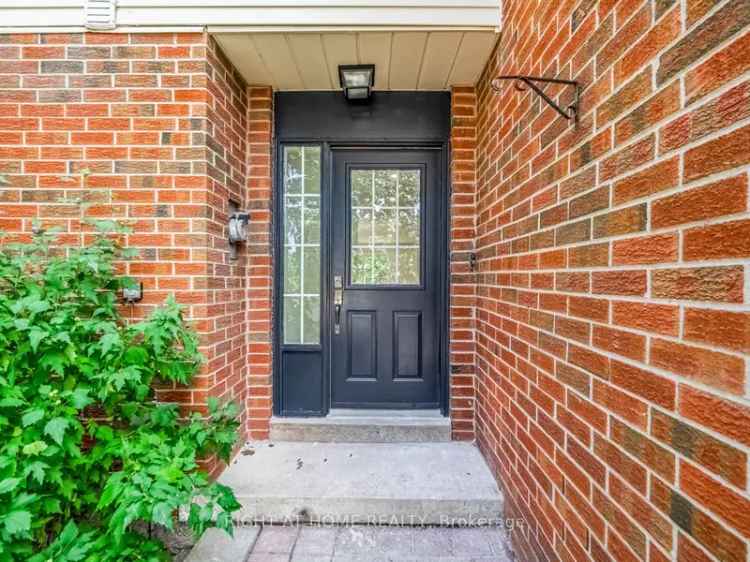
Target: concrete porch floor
x,y
445,484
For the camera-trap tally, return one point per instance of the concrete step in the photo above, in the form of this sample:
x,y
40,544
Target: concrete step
x,y
307,543
365,426
364,483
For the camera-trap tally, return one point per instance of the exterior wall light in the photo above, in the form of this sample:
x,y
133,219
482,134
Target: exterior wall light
x,y
237,231
357,80
133,293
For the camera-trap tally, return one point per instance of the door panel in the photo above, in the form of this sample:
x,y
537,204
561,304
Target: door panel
x,y
407,345
362,344
386,244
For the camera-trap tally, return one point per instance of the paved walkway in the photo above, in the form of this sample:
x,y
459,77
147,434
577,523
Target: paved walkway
x,y
361,544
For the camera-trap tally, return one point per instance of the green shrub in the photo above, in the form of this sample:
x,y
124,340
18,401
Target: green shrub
x,y
88,458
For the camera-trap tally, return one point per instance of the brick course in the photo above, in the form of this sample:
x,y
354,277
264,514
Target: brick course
x,y
612,296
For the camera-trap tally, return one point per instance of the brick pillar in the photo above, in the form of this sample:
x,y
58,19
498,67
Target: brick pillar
x,y
225,284
463,287
260,249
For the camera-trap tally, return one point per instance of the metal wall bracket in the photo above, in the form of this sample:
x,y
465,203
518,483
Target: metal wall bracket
x,y
571,112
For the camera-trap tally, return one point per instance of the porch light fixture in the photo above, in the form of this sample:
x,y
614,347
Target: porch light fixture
x,y
237,231
357,80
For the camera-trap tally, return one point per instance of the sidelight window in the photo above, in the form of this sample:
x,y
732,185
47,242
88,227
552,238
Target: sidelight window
x,y
301,243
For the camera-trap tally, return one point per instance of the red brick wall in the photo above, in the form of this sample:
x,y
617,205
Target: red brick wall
x,y
161,122
612,326
260,252
462,278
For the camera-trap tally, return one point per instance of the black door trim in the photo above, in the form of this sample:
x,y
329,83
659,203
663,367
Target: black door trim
x,y
327,146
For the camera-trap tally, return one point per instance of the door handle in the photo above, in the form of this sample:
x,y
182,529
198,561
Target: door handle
x,y
338,302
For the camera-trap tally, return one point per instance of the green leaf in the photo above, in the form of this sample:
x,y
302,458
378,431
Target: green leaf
x,y
80,398
31,417
34,448
52,505
213,404
35,337
104,433
36,305
55,360
37,469
8,485
17,522
111,490
136,355
55,428
162,514
109,341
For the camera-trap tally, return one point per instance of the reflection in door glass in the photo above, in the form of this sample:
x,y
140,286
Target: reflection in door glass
x,y
301,239
385,227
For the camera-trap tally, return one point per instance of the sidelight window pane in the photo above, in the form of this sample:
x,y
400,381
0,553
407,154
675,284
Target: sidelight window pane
x,y
385,227
293,170
292,270
311,320
312,271
312,221
311,172
292,324
301,240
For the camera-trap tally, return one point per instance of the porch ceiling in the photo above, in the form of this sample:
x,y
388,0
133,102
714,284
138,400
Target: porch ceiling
x,y
404,60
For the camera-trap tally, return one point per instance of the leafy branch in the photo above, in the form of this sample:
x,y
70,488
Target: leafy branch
x,y
87,453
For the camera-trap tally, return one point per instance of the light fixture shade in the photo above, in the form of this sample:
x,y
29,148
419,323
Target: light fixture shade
x,y
357,93
357,80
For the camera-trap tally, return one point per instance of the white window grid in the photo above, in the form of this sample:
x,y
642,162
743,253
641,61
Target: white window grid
x,y
302,295
373,208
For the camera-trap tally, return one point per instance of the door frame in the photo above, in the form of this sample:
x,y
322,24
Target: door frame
x,y
328,144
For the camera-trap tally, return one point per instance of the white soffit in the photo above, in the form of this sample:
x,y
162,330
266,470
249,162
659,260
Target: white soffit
x,y
404,60
255,15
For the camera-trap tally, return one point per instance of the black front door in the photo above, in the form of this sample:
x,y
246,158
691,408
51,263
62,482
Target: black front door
x,y
386,278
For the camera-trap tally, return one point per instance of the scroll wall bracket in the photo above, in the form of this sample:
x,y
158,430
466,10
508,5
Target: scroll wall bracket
x,y
571,112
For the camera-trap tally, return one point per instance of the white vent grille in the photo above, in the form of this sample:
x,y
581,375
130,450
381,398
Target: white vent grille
x,y
100,14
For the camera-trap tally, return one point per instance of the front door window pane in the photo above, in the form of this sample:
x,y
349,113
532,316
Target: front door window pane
x,y
301,239
385,227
